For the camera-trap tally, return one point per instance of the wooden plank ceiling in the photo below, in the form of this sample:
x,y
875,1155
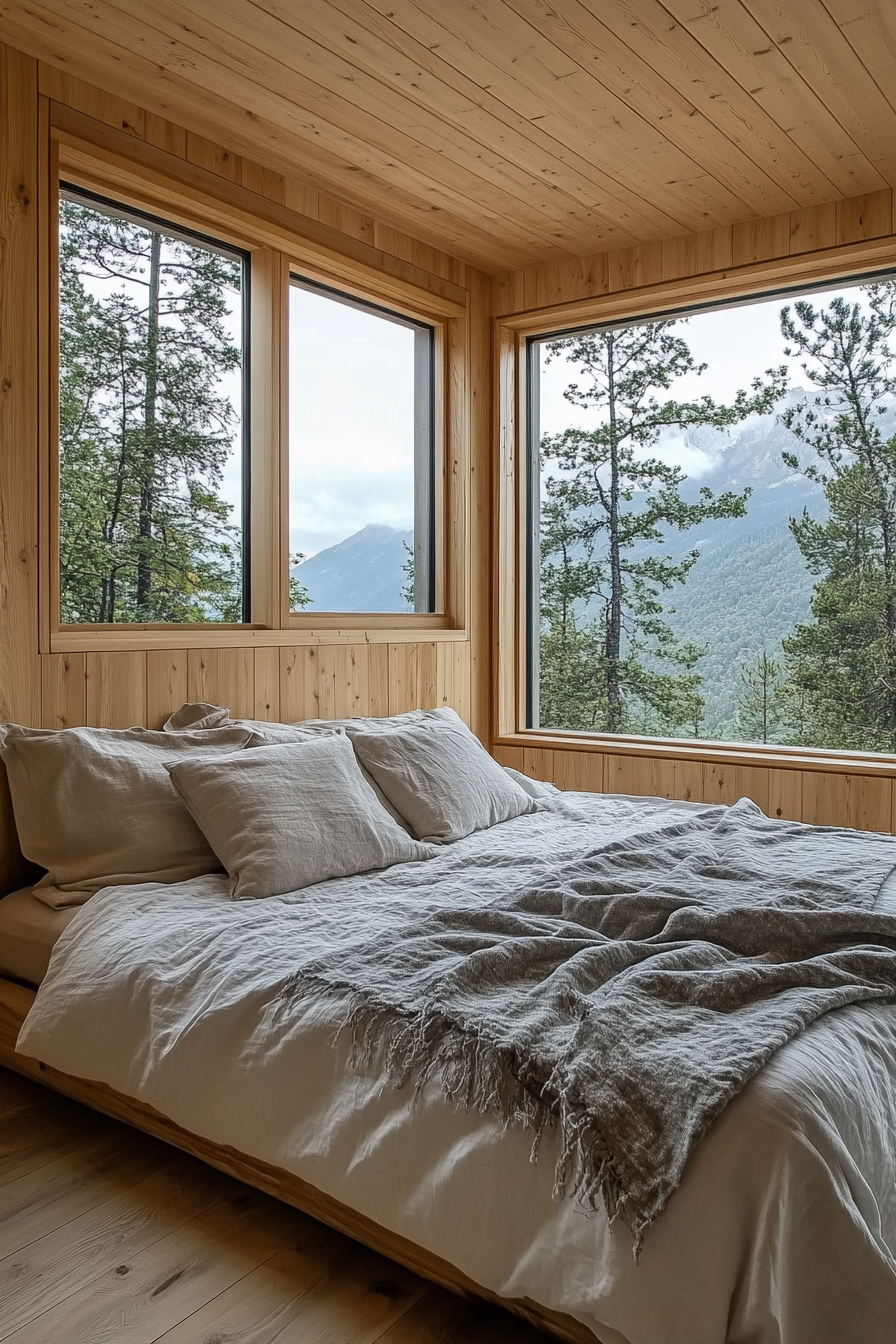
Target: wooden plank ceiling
x,y
513,132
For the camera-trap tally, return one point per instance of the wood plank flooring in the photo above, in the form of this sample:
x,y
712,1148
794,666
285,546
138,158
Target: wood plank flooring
x,y
110,1237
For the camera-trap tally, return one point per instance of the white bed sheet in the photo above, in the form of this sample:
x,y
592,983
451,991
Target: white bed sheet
x,y
783,1231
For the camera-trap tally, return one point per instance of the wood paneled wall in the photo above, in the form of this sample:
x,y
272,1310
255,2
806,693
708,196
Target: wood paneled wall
x,y
824,797
118,689
279,681
800,234
294,680
796,244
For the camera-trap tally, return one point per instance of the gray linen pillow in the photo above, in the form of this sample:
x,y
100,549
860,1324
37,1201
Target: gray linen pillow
x,y
536,788
95,806
441,779
197,716
284,817
194,717
275,734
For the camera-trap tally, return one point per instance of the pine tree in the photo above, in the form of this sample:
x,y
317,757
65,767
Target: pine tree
x,y
609,661
299,596
841,667
760,710
408,591
145,431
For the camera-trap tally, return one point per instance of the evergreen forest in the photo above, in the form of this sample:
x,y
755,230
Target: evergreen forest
x,y
149,422
756,602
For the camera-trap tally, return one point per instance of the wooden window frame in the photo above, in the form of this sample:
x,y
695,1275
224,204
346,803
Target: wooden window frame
x,y
114,165
511,335
449,369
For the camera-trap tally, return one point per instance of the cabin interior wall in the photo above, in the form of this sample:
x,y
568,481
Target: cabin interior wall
x,y
329,676
831,793
325,676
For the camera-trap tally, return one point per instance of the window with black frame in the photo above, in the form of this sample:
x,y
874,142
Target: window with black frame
x,y
152,412
361,456
712,522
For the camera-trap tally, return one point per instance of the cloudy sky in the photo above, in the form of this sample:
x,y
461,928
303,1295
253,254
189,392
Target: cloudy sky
x,y
351,421
351,398
737,344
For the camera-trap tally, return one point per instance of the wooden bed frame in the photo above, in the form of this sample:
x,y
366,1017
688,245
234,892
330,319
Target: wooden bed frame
x,y
15,1001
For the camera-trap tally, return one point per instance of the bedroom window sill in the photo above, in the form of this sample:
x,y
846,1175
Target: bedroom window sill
x,y
717,753
135,637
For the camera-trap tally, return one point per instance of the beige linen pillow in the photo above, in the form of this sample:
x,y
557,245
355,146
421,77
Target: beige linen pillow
x,y
95,806
284,817
441,779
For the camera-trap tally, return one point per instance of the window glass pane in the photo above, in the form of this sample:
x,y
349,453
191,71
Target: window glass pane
x,y
150,420
360,456
713,524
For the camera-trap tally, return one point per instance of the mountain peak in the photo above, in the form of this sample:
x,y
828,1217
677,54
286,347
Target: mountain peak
x,y
363,572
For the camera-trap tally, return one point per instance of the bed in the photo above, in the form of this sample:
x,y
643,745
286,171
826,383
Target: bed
x,y
783,1230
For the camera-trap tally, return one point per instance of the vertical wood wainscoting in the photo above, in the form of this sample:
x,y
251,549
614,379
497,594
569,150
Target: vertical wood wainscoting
x,y
822,797
270,674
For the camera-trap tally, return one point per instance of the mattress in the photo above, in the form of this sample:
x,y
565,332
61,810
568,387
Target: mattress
x,y
784,1228
28,933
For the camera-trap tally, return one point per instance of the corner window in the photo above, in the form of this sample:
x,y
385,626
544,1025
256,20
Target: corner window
x,y
152,415
361,478
712,523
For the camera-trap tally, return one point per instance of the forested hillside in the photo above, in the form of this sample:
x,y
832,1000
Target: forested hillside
x,y
750,586
745,594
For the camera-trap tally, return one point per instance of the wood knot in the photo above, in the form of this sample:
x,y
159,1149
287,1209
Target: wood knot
x,y
166,1284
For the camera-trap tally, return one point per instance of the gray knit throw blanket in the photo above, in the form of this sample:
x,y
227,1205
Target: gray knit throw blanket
x,y
630,999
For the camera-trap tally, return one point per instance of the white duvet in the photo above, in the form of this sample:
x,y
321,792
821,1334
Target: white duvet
x,y
783,1231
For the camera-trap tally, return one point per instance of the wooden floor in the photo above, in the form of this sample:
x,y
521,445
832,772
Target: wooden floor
x,y
110,1237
